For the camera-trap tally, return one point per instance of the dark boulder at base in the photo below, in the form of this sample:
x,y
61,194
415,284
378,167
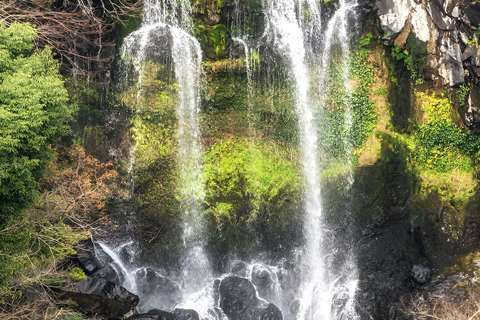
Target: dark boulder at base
x,y
153,315
102,297
179,314
186,314
239,301
263,279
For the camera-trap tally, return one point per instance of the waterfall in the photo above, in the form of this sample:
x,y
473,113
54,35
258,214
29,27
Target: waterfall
x,y
306,43
168,23
298,39
288,36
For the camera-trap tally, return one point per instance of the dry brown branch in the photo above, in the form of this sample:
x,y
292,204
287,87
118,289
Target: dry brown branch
x,y
76,186
436,308
74,29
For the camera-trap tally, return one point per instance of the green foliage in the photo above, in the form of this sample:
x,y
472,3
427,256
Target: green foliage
x,y
154,130
440,145
77,274
365,41
435,107
350,115
463,93
33,113
381,90
244,180
413,56
212,38
29,247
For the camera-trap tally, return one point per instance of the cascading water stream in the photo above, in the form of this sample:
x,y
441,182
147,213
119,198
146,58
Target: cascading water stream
x,y
168,22
297,40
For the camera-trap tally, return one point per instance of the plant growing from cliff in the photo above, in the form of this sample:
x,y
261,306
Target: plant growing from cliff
x,y
413,56
463,93
441,145
365,41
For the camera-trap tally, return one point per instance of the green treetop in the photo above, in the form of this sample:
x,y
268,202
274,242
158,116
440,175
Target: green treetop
x,y
34,112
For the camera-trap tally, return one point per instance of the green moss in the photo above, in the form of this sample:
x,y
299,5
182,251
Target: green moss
x,y
218,39
441,146
350,115
249,183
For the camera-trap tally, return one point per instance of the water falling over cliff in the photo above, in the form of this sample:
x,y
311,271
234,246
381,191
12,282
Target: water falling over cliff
x,y
304,40
167,24
304,43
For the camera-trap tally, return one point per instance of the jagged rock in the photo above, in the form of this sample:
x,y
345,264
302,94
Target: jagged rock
x,y
421,274
156,290
179,314
238,301
240,269
450,65
473,12
472,115
99,296
394,14
469,52
153,315
442,21
96,265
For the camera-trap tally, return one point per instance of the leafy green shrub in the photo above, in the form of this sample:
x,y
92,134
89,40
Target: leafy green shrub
x,y
440,144
413,56
381,90
365,41
34,112
77,274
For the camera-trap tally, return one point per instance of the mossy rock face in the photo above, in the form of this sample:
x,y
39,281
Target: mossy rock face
x,y
227,87
213,40
251,187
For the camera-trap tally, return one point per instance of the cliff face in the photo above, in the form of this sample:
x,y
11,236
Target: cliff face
x,y
411,213
449,30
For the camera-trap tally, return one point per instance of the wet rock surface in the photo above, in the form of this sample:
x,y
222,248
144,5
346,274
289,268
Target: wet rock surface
x,y
238,301
153,315
100,296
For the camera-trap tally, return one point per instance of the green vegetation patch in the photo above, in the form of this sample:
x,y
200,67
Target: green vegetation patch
x,y
34,112
253,192
246,179
349,116
441,145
